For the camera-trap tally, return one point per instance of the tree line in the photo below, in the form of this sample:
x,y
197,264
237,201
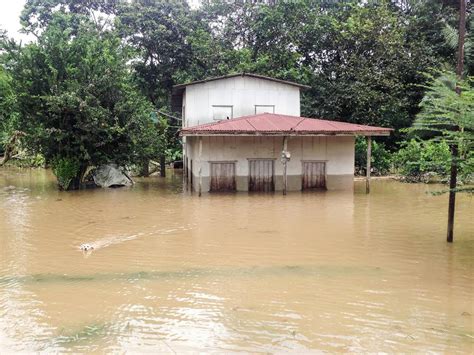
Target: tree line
x,y
86,91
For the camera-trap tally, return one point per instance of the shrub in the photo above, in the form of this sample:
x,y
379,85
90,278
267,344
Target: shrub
x,y
381,158
466,167
418,159
66,170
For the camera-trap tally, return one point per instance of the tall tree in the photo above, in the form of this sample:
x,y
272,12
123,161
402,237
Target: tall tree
x,y
363,60
157,30
77,102
454,145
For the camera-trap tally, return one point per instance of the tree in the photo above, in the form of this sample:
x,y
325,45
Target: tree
x,y
78,104
157,31
8,111
37,14
10,137
363,60
447,113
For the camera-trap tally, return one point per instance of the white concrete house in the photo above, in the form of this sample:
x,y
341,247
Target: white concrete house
x,y
243,132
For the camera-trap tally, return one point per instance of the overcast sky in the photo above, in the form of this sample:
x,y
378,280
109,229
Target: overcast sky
x,y
10,17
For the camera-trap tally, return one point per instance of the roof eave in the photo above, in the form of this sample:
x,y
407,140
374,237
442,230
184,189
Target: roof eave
x,y
184,85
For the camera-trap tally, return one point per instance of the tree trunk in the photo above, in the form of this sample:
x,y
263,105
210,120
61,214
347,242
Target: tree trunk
x,y
454,147
452,193
145,168
163,166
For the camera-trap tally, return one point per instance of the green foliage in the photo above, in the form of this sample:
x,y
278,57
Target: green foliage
x,y
77,97
66,170
8,108
448,117
157,31
451,37
416,160
174,153
34,161
445,114
466,167
381,157
362,59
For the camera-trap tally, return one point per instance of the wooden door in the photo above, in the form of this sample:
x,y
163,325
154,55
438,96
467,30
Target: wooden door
x,y
314,175
222,176
261,175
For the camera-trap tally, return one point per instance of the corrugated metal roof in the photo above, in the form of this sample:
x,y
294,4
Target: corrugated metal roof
x,y
282,125
180,86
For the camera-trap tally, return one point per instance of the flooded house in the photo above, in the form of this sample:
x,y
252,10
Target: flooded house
x,y
244,132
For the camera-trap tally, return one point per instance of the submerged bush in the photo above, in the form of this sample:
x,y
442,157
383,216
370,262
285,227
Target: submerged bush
x,y
381,157
66,170
466,167
417,160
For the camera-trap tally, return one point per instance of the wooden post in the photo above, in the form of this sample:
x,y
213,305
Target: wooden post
x,y
369,157
285,163
185,166
200,166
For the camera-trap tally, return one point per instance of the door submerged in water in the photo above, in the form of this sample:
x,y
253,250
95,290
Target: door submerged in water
x,y
314,175
222,177
261,175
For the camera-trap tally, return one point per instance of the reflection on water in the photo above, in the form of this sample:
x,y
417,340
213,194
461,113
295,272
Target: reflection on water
x,y
172,272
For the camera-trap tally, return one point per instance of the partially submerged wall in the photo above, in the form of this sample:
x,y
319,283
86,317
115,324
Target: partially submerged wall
x,y
336,151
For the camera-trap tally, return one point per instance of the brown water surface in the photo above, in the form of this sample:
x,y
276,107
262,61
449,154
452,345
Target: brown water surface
x,y
172,272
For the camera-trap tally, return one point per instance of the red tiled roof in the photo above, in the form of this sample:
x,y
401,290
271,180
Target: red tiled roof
x,y
282,125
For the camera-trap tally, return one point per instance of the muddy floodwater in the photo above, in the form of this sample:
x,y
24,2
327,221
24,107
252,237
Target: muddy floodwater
x,y
171,272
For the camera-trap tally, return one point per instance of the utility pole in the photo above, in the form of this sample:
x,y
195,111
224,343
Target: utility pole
x,y
454,146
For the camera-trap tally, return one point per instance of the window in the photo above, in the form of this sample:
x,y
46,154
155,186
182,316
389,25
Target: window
x,y
264,108
221,112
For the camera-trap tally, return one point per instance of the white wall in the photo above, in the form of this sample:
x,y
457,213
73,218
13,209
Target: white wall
x,y
337,151
241,92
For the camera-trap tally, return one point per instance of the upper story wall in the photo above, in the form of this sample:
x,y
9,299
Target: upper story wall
x,y
235,97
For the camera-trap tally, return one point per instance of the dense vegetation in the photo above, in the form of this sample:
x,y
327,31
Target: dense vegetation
x,y
85,91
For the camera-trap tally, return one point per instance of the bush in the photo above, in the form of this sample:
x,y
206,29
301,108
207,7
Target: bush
x,y
66,170
466,167
381,158
417,160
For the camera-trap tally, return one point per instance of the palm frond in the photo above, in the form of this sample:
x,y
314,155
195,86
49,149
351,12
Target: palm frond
x,y
450,35
444,113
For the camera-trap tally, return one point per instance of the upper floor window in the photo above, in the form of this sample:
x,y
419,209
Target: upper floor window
x,y
222,112
264,108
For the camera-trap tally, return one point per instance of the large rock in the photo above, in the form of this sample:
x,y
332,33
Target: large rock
x,y
111,176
